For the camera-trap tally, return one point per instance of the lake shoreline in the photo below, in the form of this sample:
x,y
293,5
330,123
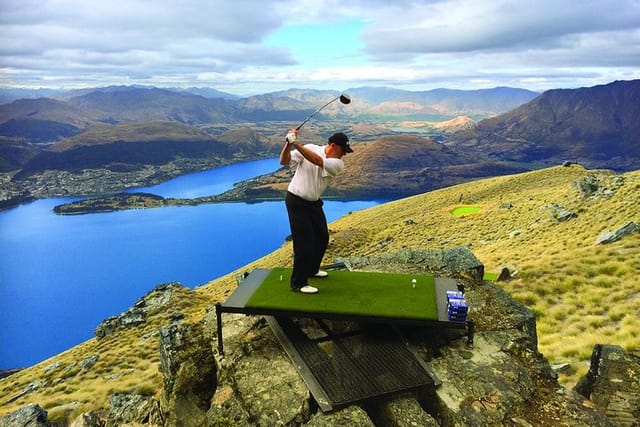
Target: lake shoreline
x,y
64,274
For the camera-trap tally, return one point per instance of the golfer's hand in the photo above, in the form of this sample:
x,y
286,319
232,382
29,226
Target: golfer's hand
x,y
292,136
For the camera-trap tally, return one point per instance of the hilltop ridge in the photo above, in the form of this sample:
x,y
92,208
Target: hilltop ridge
x,y
595,126
581,293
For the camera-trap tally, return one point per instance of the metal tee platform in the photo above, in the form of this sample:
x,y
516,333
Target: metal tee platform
x,y
355,356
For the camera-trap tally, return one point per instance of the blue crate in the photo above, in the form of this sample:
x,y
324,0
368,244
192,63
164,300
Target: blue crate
x,y
451,295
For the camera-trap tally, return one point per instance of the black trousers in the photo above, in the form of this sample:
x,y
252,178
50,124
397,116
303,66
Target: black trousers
x,y
310,237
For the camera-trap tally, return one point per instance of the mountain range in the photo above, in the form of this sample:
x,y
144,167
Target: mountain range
x,y
405,142
597,126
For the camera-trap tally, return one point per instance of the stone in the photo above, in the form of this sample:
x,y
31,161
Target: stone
x,y
88,362
612,236
403,411
351,416
561,367
31,387
90,419
52,367
158,297
107,327
452,262
189,374
268,386
613,384
507,272
132,408
588,186
30,415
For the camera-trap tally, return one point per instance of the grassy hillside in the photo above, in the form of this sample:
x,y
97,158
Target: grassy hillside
x,y
582,294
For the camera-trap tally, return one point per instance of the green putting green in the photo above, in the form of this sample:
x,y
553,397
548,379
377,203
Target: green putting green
x,y
465,210
355,293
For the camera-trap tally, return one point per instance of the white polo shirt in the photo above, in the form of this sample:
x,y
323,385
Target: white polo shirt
x,y
309,180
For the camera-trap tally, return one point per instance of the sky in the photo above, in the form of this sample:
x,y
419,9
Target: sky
x,y
248,47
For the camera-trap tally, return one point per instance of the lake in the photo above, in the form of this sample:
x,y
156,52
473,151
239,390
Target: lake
x,y
60,276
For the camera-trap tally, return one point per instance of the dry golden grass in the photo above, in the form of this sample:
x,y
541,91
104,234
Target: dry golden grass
x,y
582,294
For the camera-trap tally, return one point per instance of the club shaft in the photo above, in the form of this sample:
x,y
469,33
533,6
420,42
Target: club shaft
x,y
317,111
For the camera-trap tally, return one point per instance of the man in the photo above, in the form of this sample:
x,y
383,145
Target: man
x,y
314,166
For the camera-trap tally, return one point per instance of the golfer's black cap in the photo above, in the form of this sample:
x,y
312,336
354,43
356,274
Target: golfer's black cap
x,y
342,140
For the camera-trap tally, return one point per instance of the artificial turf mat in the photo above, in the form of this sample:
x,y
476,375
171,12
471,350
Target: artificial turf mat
x,y
356,293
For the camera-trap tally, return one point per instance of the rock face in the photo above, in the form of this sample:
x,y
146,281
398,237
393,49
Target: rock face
x,y
613,384
501,381
189,371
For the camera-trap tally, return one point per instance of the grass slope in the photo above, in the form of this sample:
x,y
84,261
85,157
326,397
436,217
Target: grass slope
x,y
582,294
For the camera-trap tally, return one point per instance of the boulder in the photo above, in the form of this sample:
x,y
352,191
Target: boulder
x,y
507,272
458,262
90,419
30,415
609,236
127,408
352,416
401,411
588,186
88,362
560,213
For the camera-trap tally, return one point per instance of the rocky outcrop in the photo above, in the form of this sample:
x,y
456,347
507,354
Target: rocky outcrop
x,y
594,186
31,415
613,384
609,236
132,408
560,213
501,380
136,315
189,374
457,262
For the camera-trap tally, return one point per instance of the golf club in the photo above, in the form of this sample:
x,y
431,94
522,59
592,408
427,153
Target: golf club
x,y
344,98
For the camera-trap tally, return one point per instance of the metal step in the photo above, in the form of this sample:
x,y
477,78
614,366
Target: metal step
x,y
345,368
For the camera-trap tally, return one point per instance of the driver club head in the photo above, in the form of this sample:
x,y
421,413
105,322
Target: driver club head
x,y
345,99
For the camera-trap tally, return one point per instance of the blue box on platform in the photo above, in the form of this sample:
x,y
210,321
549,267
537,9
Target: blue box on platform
x,y
457,307
454,295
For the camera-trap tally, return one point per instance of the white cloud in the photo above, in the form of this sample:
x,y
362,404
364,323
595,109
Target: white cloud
x,y
417,44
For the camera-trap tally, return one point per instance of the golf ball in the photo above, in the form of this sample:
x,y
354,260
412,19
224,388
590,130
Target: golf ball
x,y
413,282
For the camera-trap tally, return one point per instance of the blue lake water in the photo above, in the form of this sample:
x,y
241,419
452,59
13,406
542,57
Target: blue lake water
x,y
60,276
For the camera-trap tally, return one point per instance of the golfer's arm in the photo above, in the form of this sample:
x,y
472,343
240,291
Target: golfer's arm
x,y
285,155
314,158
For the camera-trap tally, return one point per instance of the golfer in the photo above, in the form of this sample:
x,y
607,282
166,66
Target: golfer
x,y
314,166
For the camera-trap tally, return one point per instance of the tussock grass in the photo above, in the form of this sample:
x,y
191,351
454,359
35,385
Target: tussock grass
x,y
581,294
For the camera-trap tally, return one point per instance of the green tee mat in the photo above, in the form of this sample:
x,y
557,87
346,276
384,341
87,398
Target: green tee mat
x,y
389,295
346,295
